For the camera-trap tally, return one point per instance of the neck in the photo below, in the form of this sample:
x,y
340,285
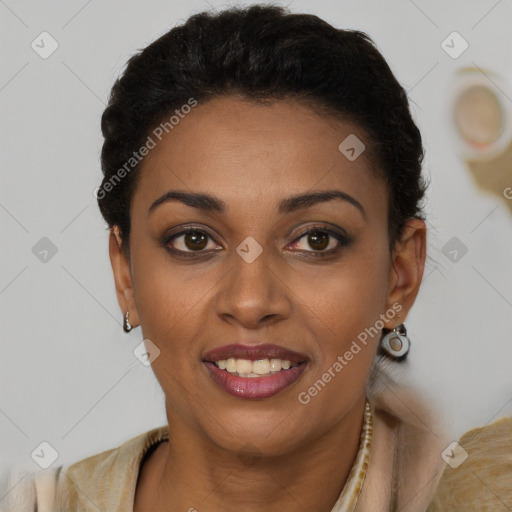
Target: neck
x,y
192,473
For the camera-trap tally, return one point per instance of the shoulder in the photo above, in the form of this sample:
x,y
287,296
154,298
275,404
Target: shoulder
x,y
108,479
482,479
101,480
122,456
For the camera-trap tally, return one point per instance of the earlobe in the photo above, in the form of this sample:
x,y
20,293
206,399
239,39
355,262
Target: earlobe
x,y
122,277
407,266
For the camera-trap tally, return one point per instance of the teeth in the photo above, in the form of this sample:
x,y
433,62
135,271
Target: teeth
x,y
275,365
243,366
261,367
231,365
247,368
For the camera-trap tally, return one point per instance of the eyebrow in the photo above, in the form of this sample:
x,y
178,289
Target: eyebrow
x,y
207,202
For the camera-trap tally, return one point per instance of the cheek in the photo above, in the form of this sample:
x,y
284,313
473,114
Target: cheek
x,y
340,326
348,297
169,303
341,311
171,312
341,315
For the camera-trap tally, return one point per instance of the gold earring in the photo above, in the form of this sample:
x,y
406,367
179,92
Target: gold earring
x,y
126,324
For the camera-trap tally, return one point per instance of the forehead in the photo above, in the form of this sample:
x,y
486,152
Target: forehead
x,y
251,154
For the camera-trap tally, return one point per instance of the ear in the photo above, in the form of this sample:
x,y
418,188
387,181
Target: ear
x,y
122,277
408,263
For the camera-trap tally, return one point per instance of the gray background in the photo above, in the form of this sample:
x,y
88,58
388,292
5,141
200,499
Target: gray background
x,y
68,374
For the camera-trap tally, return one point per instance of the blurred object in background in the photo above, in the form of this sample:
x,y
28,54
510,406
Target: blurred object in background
x,y
482,118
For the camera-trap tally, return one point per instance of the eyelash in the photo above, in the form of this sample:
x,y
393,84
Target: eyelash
x,y
343,241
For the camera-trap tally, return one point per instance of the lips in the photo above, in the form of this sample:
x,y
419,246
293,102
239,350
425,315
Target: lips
x,y
254,387
254,353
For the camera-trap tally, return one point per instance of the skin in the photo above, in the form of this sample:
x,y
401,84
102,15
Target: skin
x,y
251,156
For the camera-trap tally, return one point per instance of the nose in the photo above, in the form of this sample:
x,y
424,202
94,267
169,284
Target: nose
x,y
253,294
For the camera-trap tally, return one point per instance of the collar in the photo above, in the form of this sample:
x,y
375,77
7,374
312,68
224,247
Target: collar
x,y
351,491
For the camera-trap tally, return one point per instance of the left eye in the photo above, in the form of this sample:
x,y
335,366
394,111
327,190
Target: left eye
x,y
321,240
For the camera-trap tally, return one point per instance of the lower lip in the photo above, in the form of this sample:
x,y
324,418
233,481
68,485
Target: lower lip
x,y
254,387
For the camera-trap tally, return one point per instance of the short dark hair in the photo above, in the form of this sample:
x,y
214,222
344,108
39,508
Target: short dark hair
x,y
263,52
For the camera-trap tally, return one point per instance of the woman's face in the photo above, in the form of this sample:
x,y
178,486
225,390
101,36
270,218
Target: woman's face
x,y
250,275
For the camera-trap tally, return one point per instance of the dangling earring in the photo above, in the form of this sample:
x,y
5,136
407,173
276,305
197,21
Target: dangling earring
x,y
396,344
126,324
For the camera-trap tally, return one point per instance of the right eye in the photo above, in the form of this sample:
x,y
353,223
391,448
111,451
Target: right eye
x,y
189,240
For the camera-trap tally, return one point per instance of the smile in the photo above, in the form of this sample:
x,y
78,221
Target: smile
x,y
254,371
248,368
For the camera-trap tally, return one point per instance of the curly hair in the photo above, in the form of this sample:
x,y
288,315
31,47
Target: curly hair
x,y
262,52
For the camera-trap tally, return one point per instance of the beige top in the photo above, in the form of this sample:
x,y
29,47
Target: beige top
x,y
384,477
107,481
483,482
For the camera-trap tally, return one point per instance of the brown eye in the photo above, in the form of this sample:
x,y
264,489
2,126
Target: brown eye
x,y
195,240
318,240
321,241
190,241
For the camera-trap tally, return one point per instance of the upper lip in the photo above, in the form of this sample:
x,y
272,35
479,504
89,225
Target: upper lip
x,y
254,353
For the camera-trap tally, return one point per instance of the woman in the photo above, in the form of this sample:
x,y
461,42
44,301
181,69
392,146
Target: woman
x,y
262,184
